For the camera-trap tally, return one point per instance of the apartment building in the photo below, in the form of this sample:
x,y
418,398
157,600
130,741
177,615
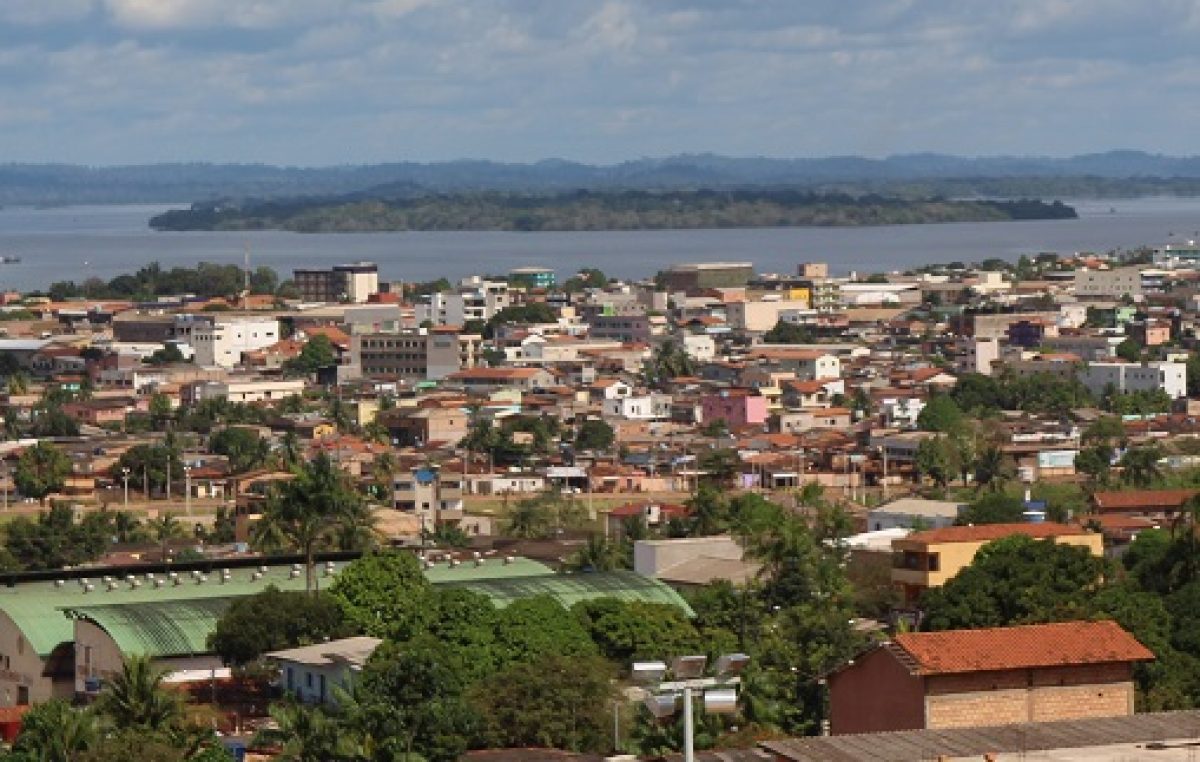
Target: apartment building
x,y
762,315
355,282
1108,284
410,355
249,390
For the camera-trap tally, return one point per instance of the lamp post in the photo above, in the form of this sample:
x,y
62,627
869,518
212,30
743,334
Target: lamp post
x,y
687,673
125,478
187,490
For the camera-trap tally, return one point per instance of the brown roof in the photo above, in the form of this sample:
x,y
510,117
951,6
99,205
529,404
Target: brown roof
x,y
1024,647
988,532
1146,499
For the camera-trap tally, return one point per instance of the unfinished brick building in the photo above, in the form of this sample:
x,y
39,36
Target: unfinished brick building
x,y
971,678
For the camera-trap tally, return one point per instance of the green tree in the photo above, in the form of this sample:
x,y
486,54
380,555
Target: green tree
x,y
149,464
163,529
594,434
784,332
560,703
309,734
600,554
318,352
629,630
1139,465
670,361
274,620
1016,580
530,629
1095,461
41,469
56,732
384,594
994,508
937,460
308,512
1129,350
54,539
137,699
244,448
993,469
941,413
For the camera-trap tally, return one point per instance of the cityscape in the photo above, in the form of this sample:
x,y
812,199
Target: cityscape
x,y
599,381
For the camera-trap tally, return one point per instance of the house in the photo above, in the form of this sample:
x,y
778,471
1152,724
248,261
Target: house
x,y
1155,504
931,558
649,513
985,677
694,561
310,673
489,379
796,421
737,407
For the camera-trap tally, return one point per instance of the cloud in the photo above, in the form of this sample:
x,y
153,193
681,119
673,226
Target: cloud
x,y
332,81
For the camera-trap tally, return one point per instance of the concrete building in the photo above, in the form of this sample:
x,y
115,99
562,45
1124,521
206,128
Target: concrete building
x,y
1108,284
476,300
408,355
931,558
433,495
248,390
354,283
762,315
693,560
736,407
977,355
532,277
222,342
629,328
987,677
310,673
705,275
1169,377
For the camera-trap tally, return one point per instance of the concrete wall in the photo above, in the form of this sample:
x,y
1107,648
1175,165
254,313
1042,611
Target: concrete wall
x,y
653,556
21,670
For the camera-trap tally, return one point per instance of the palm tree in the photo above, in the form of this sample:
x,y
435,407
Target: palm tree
x,y
55,732
310,512
164,529
1139,465
289,449
136,699
599,554
529,520
384,470
310,735
993,469
126,527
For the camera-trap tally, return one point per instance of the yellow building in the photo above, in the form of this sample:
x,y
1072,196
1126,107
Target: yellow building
x,y
931,558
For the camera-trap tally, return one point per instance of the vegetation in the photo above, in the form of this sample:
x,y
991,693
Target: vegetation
x,y
589,210
273,620
41,469
205,280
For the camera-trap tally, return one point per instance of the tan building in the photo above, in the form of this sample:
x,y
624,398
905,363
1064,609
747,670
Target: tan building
x,y
931,558
988,677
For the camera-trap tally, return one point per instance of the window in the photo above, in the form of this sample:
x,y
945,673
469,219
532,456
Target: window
x,y
935,562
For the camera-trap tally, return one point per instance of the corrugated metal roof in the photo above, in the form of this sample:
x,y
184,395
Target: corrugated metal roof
x,y
911,745
570,589
159,628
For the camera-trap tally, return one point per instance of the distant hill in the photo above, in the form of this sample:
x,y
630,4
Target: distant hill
x,y
1115,173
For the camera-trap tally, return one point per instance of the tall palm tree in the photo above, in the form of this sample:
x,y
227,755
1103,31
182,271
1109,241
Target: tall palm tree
x,y
1139,465
599,554
289,449
126,527
311,512
308,734
993,469
136,699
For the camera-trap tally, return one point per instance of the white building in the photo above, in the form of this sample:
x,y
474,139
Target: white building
x,y
977,355
1170,377
249,390
700,347
475,299
222,343
645,407
310,673
911,512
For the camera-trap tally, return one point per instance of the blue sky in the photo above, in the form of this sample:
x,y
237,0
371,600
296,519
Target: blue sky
x,y
318,82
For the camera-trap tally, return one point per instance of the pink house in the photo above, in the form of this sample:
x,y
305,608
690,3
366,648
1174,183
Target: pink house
x,y
737,407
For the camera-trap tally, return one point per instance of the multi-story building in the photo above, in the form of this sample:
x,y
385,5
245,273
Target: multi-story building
x,y
1169,377
222,342
697,277
1108,284
476,300
633,329
410,355
762,315
977,355
532,277
930,559
434,495
249,390
354,282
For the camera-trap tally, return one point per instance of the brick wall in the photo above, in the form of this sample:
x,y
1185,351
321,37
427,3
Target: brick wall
x,y
1043,695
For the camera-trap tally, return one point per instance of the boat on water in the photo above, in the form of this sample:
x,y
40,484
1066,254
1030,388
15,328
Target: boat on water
x,y
10,260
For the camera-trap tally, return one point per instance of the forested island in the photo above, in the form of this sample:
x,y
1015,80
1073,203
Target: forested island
x,y
591,210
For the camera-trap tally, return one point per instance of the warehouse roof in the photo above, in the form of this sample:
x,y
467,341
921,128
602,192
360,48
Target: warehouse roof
x,y
570,589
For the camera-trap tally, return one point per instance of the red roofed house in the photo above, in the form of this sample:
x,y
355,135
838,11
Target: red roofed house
x,y
986,677
1158,504
490,379
933,557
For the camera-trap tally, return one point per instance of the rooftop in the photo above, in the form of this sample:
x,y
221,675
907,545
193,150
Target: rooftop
x,y
1146,499
989,532
1024,647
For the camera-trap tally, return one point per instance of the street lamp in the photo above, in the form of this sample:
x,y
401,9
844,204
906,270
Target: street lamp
x,y
687,673
125,478
187,490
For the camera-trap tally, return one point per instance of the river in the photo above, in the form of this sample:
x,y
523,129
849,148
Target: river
x,y
78,242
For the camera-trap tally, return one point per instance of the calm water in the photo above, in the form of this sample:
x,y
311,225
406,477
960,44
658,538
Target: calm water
x,y
104,241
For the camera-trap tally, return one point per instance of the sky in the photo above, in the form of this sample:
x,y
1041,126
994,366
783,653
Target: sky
x,y
324,82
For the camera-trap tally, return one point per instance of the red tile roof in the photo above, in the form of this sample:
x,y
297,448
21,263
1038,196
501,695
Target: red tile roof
x,y
989,532
1024,647
1143,500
